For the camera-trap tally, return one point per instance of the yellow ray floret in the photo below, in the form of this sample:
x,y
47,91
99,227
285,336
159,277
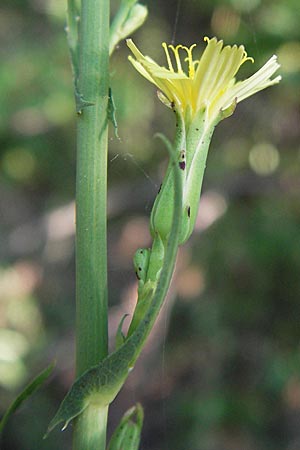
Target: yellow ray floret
x,y
205,83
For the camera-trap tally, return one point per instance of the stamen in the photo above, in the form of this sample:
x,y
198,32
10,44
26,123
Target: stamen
x,y
207,39
246,58
177,57
206,84
165,47
189,59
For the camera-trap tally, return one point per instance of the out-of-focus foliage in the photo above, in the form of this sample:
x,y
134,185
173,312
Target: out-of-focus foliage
x,y
229,374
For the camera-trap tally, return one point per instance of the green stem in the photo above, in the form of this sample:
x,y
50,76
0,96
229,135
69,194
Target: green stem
x,y
90,429
91,186
91,193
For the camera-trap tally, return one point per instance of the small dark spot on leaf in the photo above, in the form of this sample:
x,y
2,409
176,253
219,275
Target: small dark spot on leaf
x,y
189,211
197,129
182,165
140,269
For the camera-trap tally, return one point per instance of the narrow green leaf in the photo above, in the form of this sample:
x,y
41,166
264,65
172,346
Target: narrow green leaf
x,y
166,141
99,385
27,392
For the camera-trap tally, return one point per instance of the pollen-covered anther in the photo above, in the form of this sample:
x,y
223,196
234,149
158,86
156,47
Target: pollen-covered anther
x,y
246,58
165,47
189,59
177,57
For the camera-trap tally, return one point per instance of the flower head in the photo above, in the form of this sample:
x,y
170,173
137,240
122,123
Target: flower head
x,y
208,83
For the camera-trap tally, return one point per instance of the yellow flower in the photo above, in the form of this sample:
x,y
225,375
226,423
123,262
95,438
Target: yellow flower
x,y
208,83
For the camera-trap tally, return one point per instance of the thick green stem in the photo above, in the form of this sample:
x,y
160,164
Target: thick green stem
x,y
91,193
90,429
91,186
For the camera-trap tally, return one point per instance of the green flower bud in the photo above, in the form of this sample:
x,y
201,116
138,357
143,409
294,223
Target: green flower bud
x,y
128,433
191,157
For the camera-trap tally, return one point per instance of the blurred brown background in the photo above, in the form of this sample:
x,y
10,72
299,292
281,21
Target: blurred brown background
x,y
222,368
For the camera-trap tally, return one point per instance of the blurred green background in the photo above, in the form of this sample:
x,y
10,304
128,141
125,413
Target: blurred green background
x,y
222,368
